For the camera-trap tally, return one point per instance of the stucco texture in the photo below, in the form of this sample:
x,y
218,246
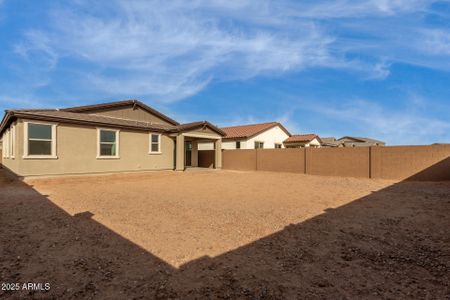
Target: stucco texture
x,y
76,149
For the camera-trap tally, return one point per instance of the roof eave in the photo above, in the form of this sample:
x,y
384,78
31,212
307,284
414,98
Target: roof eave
x,y
120,104
200,125
5,120
85,122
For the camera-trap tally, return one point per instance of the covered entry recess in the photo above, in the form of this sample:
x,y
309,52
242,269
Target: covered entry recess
x,y
186,144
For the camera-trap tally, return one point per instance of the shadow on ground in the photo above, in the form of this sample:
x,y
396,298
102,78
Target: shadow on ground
x,y
370,248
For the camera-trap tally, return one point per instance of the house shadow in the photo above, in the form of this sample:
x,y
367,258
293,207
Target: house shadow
x,y
392,243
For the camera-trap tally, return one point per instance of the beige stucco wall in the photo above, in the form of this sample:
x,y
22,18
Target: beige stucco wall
x,y
131,114
77,150
202,133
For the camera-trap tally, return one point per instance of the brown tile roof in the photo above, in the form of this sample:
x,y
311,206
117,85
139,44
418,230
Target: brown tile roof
x,y
98,120
247,131
79,118
301,138
114,104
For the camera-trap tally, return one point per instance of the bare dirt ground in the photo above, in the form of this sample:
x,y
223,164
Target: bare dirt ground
x,y
225,235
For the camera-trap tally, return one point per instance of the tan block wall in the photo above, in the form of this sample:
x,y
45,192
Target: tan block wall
x,y
419,163
77,151
423,163
281,160
345,162
239,159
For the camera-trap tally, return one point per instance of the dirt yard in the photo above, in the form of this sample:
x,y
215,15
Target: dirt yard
x,y
225,235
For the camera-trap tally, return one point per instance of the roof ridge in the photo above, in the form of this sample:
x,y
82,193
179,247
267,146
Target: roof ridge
x,y
111,104
255,124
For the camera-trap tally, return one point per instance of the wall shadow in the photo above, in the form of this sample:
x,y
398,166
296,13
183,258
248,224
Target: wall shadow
x,y
437,172
393,243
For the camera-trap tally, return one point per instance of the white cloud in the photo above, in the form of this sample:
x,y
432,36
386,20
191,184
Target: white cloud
x,y
358,8
37,50
408,125
172,50
436,41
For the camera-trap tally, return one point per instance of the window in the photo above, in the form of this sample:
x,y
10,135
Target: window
x,y
3,145
238,145
40,140
155,143
259,145
108,143
6,144
12,141
277,146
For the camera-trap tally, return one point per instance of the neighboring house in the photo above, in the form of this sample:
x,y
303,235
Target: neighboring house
x,y
111,137
263,135
350,141
302,141
330,142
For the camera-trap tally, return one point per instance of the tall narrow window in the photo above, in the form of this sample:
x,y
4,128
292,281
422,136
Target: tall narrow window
x,y
6,144
155,143
108,143
238,145
12,141
40,140
3,145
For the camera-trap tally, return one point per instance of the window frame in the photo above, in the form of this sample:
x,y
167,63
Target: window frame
x,y
53,154
278,144
150,143
236,145
117,132
3,144
12,142
6,144
259,142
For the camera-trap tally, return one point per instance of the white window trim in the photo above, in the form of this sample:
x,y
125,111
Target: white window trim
x,y
12,142
150,143
260,142
6,144
117,156
25,141
3,145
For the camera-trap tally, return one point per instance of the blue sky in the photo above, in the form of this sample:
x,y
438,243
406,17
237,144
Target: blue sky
x,y
377,68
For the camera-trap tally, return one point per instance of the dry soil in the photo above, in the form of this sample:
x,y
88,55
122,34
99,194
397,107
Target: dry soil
x,y
225,235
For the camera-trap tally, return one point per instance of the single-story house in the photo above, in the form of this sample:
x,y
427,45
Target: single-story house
x,y
303,141
350,141
330,142
263,135
110,137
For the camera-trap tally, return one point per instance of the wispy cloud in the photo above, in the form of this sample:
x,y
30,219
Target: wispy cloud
x,y
436,41
404,125
173,50
169,51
